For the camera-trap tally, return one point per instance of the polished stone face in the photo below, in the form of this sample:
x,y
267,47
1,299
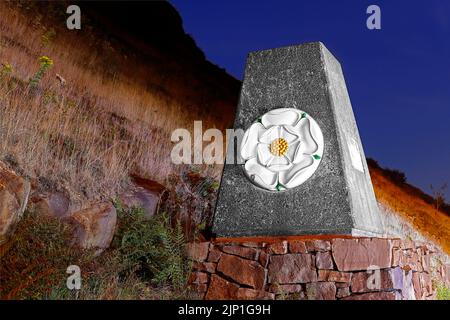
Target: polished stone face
x,y
337,197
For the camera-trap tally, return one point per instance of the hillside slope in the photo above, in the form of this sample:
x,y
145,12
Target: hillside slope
x,y
410,211
122,94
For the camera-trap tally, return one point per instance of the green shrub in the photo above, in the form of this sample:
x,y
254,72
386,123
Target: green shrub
x,y
443,292
152,249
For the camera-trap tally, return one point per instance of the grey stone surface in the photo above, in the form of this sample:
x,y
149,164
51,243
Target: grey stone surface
x,y
338,198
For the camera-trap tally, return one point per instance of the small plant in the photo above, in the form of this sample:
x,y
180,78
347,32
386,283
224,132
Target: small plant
x,y
151,249
5,69
45,64
442,292
48,36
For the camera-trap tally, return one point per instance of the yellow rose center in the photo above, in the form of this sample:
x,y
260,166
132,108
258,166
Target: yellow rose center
x,y
278,147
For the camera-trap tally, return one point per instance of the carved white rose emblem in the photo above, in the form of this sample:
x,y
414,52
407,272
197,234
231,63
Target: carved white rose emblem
x,y
282,149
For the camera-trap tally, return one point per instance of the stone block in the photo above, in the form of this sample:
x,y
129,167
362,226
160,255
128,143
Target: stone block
x,y
324,260
377,280
243,271
321,291
338,276
214,254
244,252
318,245
343,292
278,247
362,254
197,251
209,267
297,246
221,289
292,268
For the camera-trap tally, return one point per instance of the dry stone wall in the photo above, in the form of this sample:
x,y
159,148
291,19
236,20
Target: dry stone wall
x,y
340,268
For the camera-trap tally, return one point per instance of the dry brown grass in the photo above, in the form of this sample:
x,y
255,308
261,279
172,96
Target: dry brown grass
x,y
114,115
430,222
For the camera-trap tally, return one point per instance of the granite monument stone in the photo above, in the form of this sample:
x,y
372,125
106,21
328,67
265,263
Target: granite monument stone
x,y
303,168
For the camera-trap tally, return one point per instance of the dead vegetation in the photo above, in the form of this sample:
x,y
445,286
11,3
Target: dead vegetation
x,y
413,205
111,114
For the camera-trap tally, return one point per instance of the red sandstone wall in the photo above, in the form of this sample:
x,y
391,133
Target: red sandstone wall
x,y
356,269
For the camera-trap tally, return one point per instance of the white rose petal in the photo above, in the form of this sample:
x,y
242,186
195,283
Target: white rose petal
x,y
292,150
279,164
297,174
270,134
250,141
260,175
282,116
288,136
303,130
264,154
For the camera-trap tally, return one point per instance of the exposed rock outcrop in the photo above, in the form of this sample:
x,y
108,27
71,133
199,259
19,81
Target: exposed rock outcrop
x,y
95,226
14,193
145,194
55,204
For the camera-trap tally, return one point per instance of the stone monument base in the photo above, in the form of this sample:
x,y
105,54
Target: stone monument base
x,y
324,268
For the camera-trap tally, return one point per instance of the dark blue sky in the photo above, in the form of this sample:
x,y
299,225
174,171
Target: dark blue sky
x,y
398,77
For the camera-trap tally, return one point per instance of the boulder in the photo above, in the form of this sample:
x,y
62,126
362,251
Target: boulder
x,y
55,204
292,268
145,194
362,254
14,193
243,271
221,289
95,226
